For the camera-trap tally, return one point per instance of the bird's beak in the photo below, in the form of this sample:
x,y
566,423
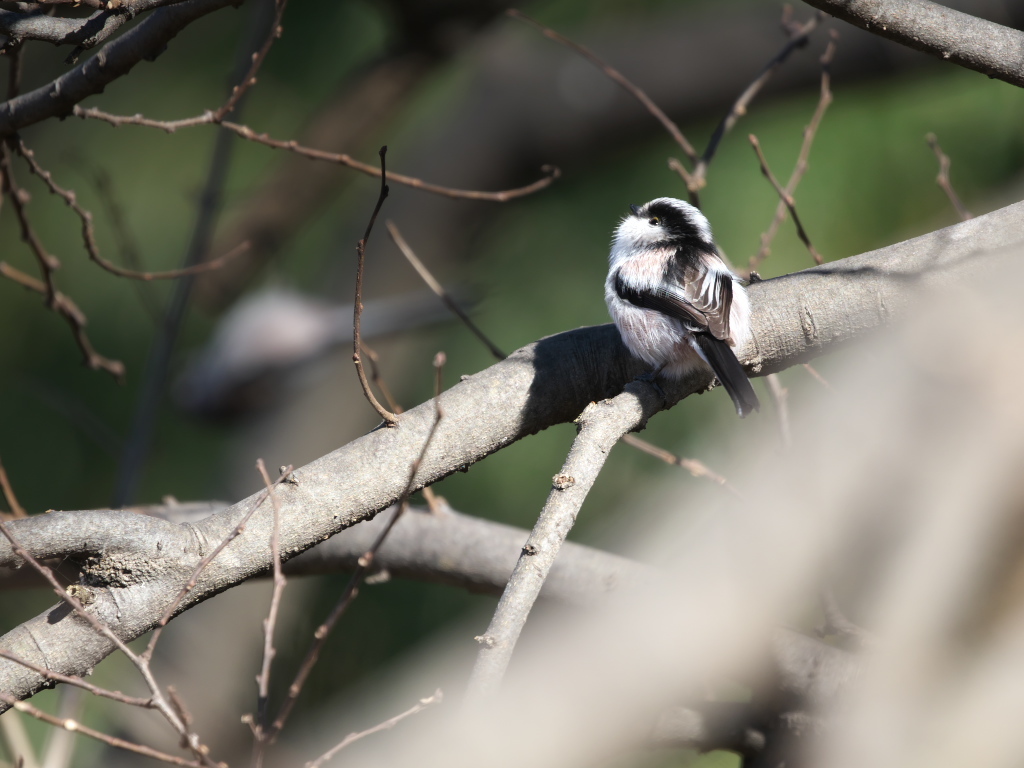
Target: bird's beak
x,y
635,209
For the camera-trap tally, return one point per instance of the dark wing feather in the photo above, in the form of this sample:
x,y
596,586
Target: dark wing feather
x,y
661,300
727,368
708,291
699,297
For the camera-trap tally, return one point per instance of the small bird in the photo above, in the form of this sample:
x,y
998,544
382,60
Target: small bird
x,y
673,299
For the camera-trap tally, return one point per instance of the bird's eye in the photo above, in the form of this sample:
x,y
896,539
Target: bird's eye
x,y
654,220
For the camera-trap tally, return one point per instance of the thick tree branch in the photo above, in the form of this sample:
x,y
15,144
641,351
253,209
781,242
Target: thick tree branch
x,y
135,565
974,43
82,33
145,41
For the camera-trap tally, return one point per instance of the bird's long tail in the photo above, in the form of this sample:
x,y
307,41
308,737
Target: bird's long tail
x,y
719,355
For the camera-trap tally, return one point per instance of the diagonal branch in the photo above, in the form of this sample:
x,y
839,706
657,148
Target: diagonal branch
x,y
786,198
601,426
795,318
969,41
145,41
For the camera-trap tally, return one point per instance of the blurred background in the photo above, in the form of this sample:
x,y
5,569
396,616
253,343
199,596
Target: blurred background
x,y
465,97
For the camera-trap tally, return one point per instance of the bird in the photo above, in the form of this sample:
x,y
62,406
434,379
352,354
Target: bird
x,y
675,303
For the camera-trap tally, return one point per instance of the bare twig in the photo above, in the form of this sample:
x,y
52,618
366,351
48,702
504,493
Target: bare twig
x,y
201,566
48,264
78,682
601,426
786,198
550,172
136,448
12,501
389,418
439,290
269,652
126,240
418,707
258,58
145,41
799,35
943,178
818,377
376,378
617,77
694,467
113,741
189,738
89,235
363,566
824,100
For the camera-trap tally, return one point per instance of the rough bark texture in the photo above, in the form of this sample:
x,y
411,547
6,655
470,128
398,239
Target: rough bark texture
x,y
137,565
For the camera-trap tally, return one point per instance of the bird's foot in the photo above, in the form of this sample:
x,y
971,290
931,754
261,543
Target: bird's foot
x,y
651,377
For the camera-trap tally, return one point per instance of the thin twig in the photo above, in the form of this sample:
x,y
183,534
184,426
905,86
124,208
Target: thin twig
x,y
189,738
810,132
322,632
376,378
390,723
389,418
694,467
136,448
943,178
818,377
798,38
48,265
550,172
617,77
786,198
12,501
439,290
269,652
89,235
197,572
249,80
127,242
113,741
78,682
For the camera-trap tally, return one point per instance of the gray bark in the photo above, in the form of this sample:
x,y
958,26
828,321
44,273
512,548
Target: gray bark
x,y
137,565
974,43
145,41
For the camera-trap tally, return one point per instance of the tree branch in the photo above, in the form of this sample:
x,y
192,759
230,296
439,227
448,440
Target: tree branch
x,y
974,43
82,33
601,425
134,565
145,41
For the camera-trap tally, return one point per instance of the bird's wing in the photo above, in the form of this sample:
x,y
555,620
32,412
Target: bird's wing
x,y
699,295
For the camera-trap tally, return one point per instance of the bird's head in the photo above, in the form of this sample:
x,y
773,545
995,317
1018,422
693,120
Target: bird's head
x,y
664,221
